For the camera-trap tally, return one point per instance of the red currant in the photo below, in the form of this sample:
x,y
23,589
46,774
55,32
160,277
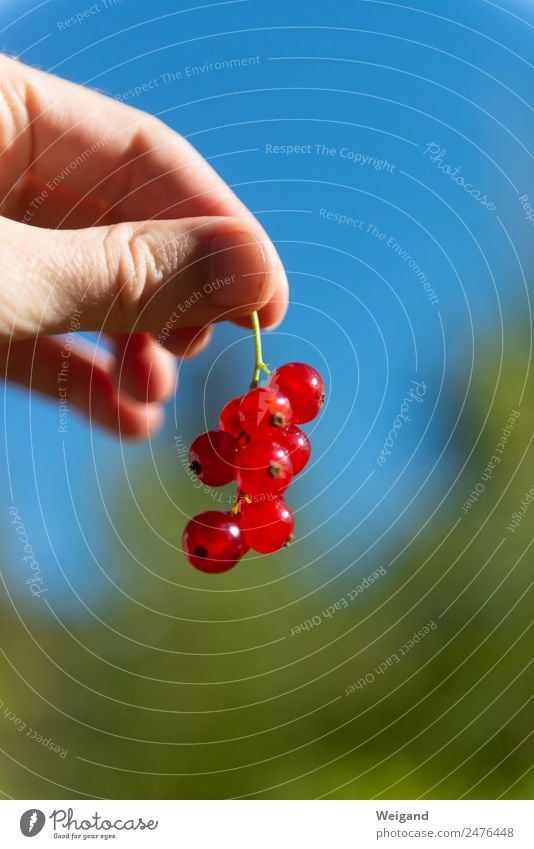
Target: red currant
x,y
212,457
264,412
229,419
263,466
297,444
304,387
266,525
213,541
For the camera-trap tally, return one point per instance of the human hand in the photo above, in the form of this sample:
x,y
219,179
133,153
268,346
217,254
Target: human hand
x,y
111,222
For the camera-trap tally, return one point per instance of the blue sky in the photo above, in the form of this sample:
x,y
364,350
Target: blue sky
x,y
384,146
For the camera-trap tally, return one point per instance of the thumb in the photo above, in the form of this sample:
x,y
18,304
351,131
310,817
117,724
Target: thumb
x,y
154,276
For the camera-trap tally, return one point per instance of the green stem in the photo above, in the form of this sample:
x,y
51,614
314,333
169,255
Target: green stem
x,y
259,365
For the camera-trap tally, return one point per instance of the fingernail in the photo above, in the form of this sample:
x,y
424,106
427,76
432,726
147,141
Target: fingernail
x,y
238,270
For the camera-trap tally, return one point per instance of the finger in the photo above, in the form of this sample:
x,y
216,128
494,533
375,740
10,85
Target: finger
x,y
91,144
147,277
61,208
85,139
142,368
78,379
188,342
270,316
75,158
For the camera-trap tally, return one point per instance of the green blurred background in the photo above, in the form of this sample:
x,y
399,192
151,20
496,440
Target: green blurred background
x,y
207,693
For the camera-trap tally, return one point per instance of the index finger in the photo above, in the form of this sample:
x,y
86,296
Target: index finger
x,y
95,146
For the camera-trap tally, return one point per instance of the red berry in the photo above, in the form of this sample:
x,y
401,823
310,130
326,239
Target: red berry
x,y
229,420
213,541
264,411
212,457
304,387
264,467
295,441
266,525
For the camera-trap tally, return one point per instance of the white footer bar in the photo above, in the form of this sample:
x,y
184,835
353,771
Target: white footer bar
x,y
268,824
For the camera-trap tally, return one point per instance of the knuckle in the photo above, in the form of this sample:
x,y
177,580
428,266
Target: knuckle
x,y
139,264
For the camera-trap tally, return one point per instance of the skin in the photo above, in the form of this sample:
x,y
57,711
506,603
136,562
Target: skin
x,y
111,222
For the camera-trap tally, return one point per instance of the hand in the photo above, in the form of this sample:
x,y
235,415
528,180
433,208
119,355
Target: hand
x,y
111,222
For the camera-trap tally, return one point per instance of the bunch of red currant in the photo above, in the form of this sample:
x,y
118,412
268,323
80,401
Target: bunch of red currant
x,y
260,447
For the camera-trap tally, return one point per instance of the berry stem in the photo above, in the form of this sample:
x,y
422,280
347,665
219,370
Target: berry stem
x,y
259,365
